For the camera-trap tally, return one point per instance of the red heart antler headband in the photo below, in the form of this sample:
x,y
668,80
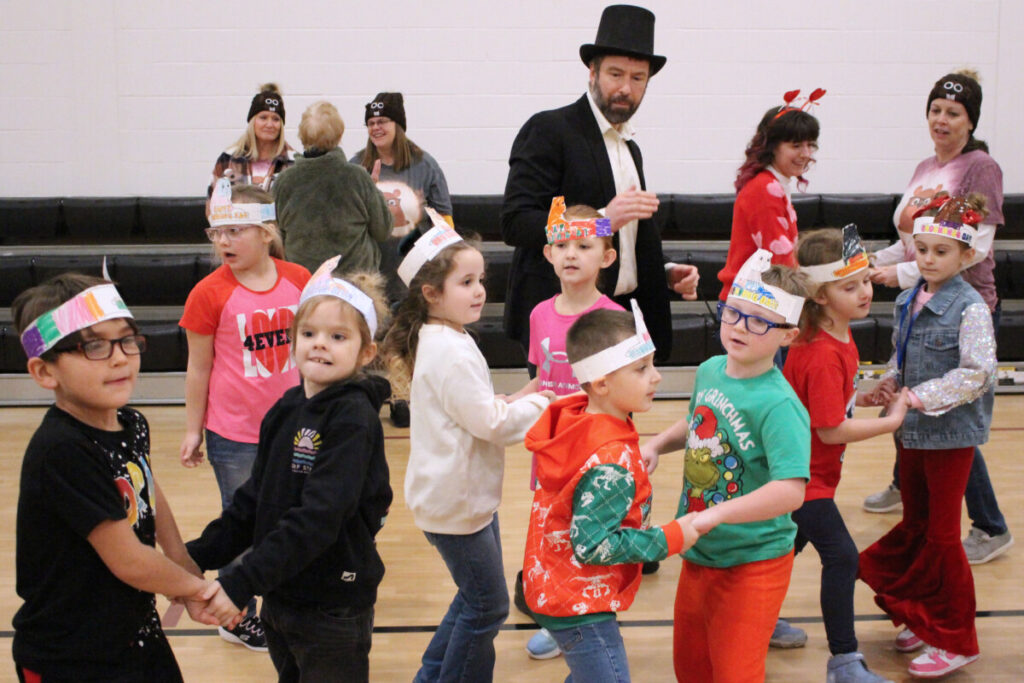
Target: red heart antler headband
x,y
790,101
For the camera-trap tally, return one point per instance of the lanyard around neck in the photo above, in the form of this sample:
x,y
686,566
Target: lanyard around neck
x,y
908,317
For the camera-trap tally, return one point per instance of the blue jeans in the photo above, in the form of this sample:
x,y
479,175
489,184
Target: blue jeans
x,y
462,648
594,652
309,644
982,506
232,465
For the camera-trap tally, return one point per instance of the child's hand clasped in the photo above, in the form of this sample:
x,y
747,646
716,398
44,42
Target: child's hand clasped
x,y
690,531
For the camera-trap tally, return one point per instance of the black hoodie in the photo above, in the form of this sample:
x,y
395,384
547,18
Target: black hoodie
x,y
318,494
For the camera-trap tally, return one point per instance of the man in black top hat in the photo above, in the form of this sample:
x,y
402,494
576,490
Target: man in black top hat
x,y
585,152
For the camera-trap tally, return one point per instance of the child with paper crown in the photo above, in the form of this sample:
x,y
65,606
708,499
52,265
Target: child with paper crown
x,y
579,247
747,441
318,494
459,431
944,352
89,508
822,369
236,321
587,538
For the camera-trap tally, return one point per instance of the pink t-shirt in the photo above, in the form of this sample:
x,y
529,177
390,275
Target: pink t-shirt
x,y
252,364
548,329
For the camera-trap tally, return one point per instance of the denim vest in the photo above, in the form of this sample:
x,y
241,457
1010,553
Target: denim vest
x,y
932,350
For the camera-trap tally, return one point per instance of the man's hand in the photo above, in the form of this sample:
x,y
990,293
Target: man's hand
x,y
631,205
683,279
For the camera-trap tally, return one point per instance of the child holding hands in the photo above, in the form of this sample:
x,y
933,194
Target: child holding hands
x,y
318,494
456,454
89,509
944,352
822,369
588,534
747,441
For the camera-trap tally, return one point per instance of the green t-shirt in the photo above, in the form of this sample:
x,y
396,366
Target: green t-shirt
x,y
743,433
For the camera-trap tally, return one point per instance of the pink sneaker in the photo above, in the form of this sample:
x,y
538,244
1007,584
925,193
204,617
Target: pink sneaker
x,y
935,663
907,641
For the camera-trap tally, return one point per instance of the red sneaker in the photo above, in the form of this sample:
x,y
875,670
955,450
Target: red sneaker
x,y
935,663
907,641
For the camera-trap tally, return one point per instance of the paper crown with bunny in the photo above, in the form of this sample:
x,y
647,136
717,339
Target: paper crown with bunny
x,y
854,260
433,242
749,286
562,229
223,212
614,357
323,283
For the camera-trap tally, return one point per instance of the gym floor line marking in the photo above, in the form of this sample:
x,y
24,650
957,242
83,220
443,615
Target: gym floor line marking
x,y
629,623
401,437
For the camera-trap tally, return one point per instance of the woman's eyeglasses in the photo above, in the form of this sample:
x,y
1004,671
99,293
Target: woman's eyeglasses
x,y
102,349
754,324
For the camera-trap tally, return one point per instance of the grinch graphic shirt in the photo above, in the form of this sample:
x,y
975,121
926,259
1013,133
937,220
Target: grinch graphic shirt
x,y
743,433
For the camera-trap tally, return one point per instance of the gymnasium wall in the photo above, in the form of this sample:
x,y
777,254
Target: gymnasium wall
x,y
115,97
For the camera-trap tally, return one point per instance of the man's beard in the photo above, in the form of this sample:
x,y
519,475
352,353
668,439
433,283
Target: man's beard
x,y
614,116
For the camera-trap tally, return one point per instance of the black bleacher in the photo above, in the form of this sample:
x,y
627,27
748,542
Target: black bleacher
x,y
695,229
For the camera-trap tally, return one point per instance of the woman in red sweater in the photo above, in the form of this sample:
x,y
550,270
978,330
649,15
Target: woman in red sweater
x,y
763,217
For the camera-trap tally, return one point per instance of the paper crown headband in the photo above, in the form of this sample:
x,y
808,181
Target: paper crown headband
x,y
790,101
932,225
748,286
324,284
561,229
854,260
427,247
223,212
85,309
614,357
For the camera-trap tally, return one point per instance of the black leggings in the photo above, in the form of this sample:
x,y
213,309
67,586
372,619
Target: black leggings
x,y
819,522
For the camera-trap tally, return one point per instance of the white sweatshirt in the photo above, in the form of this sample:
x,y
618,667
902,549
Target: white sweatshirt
x,y
458,435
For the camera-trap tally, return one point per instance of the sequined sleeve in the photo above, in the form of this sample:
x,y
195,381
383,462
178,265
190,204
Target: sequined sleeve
x,y
977,371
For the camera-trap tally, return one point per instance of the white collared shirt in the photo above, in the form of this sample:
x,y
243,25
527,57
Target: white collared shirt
x,y
625,174
784,180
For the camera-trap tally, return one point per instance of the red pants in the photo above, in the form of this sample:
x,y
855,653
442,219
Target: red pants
x,y
724,619
918,570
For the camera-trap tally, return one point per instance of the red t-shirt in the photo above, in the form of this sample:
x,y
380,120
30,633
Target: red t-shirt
x,y
823,372
763,217
252,364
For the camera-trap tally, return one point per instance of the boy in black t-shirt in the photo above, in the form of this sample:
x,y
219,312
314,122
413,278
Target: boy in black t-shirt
x,y
87,522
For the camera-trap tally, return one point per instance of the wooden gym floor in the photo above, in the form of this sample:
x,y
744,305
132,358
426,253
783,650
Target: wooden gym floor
x,y
417,588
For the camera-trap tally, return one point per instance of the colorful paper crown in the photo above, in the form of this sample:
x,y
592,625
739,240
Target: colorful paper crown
x,y
324,284
614,357
790,101
85,309
956,217
748,286
854,260
560,229
427,247
223,212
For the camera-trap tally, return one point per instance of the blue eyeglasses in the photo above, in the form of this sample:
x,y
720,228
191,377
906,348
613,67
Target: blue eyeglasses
x,y
754,324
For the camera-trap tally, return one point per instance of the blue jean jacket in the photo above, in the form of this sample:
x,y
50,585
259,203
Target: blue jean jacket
x,y
946,355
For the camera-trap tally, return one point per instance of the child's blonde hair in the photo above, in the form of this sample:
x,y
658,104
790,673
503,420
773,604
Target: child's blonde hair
x,y
370,283
399,347
793,282
583,212
814,248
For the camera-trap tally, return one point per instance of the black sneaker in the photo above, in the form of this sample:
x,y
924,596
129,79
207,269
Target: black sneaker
x,y
400,414
248,632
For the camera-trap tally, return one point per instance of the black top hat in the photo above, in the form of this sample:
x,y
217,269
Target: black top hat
x,y
625,30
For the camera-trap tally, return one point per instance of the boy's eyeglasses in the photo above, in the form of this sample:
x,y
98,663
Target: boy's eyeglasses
x,y
755,324
102,349
232,232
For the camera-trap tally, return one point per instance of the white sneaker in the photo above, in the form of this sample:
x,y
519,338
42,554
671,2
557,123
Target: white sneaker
x,y
884,501
935,663
980,547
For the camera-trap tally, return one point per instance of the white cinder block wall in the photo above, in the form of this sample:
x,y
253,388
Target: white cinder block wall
x,y
118,97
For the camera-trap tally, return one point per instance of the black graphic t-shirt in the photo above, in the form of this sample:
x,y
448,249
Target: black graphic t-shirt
x,y
79,619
